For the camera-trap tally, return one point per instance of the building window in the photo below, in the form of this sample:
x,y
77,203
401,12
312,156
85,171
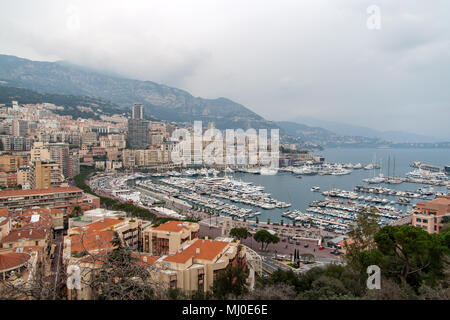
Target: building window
x,y
418,220
201,281
425,221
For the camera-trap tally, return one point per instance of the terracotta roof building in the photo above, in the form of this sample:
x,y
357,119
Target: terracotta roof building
x,y
54,197
168,237
429,215
12,261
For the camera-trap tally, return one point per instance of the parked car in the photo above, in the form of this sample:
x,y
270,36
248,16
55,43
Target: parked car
x,y
306,245
283,240
321,247
297,243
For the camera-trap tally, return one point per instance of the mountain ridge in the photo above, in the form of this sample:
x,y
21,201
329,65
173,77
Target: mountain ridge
x,y
162,101
355,130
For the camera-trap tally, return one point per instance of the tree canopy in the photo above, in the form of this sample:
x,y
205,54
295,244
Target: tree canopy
x,y
265,238
239,233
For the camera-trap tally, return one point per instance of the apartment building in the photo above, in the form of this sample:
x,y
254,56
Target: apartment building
x,y
11,163
173,252
168,237
113,140
12,143
196,265
428,215
61,197
23,175
45,174
144,158
59,153
129,231
39,152
89,138
27,238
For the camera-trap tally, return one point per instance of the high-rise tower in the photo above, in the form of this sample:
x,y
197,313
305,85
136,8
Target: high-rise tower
x,y
138,129
137,111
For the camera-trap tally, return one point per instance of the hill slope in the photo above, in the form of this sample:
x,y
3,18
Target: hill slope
x,y
69,102
161,101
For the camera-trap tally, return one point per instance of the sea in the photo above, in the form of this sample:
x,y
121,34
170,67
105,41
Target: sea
x,y
287,187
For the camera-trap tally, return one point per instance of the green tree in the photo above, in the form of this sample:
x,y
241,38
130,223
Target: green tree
x,y
411,253
231,281
239,233
325,288
362,238
265,238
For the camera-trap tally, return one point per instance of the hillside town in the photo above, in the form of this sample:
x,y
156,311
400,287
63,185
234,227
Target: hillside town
x,y
73,195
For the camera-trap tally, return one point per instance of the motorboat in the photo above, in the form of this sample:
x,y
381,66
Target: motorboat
x,y
268,171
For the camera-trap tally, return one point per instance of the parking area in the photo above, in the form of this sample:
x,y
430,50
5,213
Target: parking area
x,y
283,247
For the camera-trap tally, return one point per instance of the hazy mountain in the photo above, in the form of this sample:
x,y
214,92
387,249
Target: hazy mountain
x,y
327,138
353,130
303,131
161,101
69,102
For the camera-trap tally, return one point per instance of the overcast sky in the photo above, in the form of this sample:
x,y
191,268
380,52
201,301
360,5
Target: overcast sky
x,y
282,59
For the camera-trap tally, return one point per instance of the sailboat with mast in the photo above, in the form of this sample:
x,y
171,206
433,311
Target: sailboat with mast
x,y
378,179
393,180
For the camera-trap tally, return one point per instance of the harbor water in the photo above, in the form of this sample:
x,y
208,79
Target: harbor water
x,y
287,187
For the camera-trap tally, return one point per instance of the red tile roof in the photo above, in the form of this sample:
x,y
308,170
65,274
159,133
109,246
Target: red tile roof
x,y
99,225
91,241
144,259
209,249
171,226
3,212
32,234
17,193
12,260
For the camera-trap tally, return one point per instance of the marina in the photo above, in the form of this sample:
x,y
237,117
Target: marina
x,y
330,203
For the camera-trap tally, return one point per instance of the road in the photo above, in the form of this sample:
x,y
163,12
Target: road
x,y
57,261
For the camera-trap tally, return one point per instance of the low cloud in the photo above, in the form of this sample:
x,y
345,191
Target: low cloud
x,y
283,59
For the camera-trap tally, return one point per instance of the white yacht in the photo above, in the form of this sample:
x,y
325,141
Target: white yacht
x,y
374,180
268,171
